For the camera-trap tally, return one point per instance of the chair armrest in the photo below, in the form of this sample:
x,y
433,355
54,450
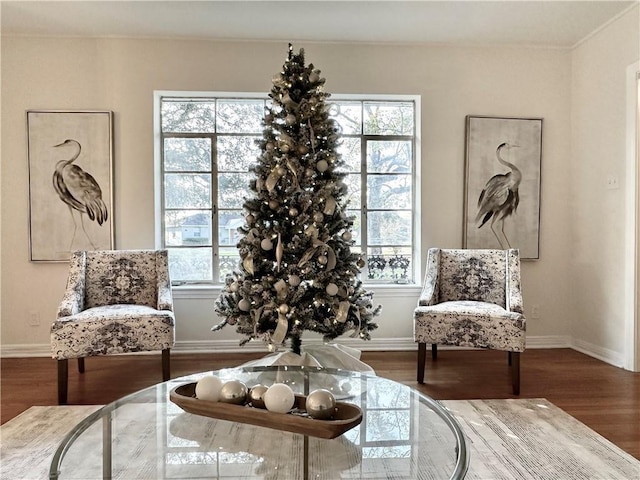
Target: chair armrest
x,y
514,289
429,294
72,301
165,296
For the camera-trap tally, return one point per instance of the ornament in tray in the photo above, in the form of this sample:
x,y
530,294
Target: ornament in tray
x,y
276,406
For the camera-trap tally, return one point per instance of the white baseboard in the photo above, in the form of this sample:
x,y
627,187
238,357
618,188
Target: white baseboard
x,y
373,345
608,356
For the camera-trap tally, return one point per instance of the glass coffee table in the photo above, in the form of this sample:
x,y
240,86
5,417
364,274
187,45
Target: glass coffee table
x,y
403,435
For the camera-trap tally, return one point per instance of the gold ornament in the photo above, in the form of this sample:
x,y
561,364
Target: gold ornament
x,y
322,166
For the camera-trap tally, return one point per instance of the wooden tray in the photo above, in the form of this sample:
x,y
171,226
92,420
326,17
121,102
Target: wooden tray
x,y
346,416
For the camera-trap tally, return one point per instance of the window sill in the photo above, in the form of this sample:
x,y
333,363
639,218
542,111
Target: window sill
x,y
212,291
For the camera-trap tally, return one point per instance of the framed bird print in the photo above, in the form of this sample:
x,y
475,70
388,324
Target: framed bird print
x,y
70,156
502,184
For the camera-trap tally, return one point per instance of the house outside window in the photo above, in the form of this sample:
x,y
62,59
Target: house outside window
x,y
206,144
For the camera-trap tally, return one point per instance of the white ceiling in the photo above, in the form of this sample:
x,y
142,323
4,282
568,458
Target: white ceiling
x,y
519,22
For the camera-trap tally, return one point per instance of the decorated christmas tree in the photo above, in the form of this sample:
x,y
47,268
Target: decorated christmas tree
x,y
297,269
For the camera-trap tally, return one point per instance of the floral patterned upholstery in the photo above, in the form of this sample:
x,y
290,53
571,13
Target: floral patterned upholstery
x,y
116,301
471,298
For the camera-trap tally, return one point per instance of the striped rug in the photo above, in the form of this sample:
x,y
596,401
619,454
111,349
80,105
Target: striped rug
x,y
509,439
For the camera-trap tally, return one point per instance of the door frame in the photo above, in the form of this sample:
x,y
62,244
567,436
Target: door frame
x,y
632,220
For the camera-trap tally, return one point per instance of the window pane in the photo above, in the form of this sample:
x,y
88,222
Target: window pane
x,y
389,191
388,394
389,156
233,188
350,150
392,264
237,153
187,190
190,264
348,115
187,227
192,154
354,190
388,118
389,228
388,425
240,116
228,223
188,116
229,260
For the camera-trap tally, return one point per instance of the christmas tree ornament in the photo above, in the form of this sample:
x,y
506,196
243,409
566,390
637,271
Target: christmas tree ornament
x,y
256,396
322,166
318,217
244,305
294,280
290,119
303,149
322,259
234,392
347,236
329,206
208,388
273,204
279,398
314,76
279,252
293,211
331,289
281,289
283,309
266,244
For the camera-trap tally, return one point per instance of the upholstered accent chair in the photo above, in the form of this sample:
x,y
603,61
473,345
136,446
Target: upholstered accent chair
x,y
471,298
116,301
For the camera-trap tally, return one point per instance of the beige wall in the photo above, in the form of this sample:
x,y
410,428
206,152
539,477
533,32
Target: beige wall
x,y
121,75
599,100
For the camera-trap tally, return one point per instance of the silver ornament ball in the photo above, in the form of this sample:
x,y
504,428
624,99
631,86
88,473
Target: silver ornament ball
x,y
256,396
234,392
320,404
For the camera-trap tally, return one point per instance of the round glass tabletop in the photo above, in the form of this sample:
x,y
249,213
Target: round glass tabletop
x,y
403,435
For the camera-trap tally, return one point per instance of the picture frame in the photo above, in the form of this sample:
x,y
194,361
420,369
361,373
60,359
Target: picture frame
x,y
503,159
70,156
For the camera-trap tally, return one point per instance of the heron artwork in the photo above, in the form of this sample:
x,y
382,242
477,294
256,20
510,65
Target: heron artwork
x,y
499,198
79,191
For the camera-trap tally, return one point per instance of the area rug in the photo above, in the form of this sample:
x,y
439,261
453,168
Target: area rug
x,y
508,439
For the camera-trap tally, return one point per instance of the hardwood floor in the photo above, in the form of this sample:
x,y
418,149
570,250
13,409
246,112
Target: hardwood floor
x,y
605,398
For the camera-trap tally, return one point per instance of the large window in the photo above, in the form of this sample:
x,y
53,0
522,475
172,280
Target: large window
x,y
207,144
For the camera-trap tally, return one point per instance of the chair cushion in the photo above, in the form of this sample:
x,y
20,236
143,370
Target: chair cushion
x,y
115,276
112,329
478,275
470,324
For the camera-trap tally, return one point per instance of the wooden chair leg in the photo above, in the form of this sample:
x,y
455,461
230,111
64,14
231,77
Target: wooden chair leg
x,y
422,358
81,364
63,370
515,371
434,351
166,364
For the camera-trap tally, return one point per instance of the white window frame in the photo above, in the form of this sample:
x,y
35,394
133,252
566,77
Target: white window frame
x,y
194,287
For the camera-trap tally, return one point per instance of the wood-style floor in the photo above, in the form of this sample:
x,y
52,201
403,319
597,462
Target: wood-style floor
x,y
605,398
